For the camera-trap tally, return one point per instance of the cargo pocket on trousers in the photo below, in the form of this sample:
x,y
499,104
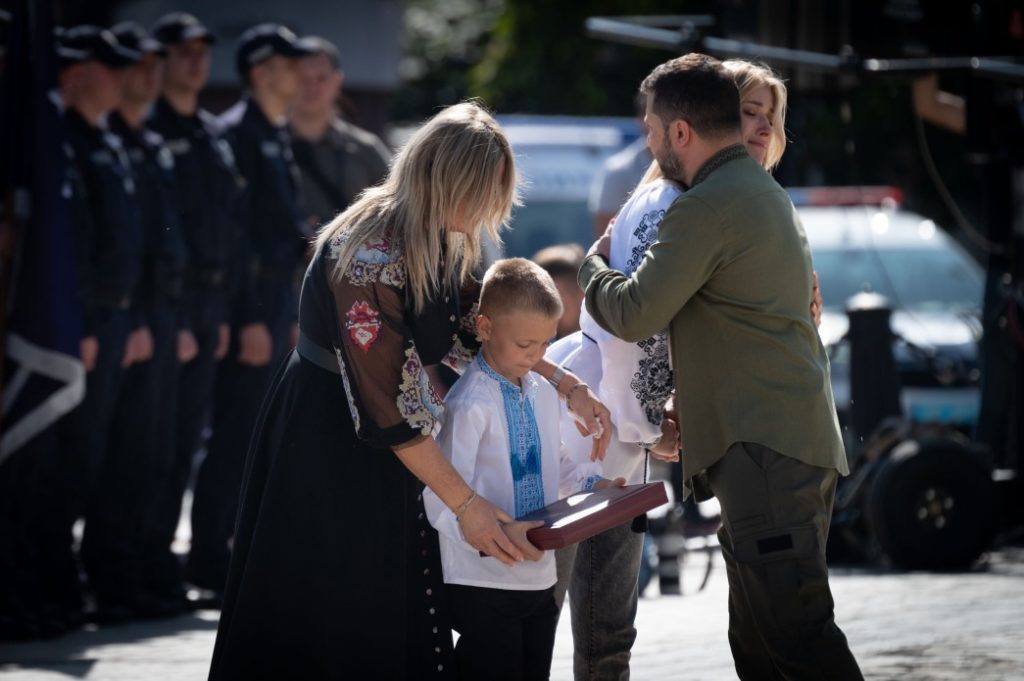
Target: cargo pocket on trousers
x,y
788,566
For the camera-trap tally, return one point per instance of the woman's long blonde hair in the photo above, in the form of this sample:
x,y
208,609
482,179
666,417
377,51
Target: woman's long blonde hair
x,y
751,75
456,170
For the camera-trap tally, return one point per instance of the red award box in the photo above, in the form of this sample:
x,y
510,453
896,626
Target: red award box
x,y
583,515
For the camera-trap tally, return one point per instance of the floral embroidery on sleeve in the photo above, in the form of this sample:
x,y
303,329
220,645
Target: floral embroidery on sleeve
x,y
363,324
652,382
374,262
418,402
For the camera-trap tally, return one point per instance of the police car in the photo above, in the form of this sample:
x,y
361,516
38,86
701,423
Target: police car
x,y
921,493
862,240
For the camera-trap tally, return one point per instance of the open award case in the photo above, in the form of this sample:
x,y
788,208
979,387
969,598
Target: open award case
x,y
583,515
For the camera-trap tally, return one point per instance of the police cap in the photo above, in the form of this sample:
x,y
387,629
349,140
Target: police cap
x,y
180,27
129,34
317,45
264,41
81,44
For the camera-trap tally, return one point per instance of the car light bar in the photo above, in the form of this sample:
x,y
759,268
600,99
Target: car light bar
x,y
846,196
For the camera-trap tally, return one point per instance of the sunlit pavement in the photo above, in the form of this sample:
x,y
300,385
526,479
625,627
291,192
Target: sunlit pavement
x,y
911,627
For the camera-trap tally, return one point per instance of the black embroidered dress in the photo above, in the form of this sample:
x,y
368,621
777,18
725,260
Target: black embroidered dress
x,y
335,572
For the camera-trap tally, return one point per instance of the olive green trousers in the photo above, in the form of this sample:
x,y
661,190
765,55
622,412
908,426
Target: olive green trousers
x,y
776,512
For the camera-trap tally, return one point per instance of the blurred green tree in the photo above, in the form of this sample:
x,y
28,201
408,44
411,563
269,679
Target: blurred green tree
x,y
444,39
539,59
520,56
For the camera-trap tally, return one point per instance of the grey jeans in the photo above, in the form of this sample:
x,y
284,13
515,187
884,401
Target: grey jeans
x,y
600,575
776,513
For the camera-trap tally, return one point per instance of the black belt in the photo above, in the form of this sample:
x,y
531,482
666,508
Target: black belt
x,y
320,356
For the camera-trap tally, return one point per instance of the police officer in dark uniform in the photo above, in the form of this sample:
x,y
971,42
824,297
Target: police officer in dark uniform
x,y
141,441
208,197
108,242
264,311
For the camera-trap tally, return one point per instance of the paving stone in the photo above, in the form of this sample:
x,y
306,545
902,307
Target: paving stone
x,y
906,626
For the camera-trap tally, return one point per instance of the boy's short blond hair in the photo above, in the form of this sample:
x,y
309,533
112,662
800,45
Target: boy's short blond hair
x,y
518,285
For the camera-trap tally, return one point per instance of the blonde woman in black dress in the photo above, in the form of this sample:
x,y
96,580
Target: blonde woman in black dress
x,y
335,573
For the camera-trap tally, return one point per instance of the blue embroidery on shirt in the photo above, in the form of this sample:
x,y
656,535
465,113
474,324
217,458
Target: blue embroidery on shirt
x,y
523,439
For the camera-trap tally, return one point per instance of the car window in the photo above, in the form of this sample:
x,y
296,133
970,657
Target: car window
x,y
913,279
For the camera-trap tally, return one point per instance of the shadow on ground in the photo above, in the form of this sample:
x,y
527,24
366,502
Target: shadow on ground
x,y
74,654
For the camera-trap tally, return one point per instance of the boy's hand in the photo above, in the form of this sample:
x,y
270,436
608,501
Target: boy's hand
x,y
606,483
667,449
516,531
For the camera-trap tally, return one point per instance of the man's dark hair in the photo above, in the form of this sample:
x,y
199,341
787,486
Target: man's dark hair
x,y
698,89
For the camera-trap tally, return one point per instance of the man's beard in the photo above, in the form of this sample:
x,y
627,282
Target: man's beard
x,y
670,166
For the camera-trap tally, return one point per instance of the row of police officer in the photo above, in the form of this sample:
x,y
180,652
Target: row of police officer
x,y
191,232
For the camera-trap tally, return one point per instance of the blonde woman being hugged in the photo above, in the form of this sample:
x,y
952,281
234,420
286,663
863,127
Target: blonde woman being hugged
x,y
335,572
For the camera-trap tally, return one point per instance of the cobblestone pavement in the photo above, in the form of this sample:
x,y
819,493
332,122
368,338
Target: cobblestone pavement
x,y
910,627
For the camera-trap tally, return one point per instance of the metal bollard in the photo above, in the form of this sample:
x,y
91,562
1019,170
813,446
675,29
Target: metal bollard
x,y
874,382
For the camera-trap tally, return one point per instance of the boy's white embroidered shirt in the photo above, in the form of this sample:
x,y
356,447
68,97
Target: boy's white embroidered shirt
x,y
475,438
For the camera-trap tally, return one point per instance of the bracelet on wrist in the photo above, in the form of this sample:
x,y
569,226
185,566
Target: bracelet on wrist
x,y
557,375
461,510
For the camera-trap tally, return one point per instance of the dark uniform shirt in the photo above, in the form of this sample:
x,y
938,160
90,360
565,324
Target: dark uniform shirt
x,y
337,167
275,233
108,228
163,246
209,190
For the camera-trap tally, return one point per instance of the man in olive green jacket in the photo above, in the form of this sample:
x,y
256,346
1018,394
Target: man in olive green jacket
x,y
731,277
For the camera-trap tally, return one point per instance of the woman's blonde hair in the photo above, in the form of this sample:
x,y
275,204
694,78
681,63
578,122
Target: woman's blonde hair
x,y
456,170
751,75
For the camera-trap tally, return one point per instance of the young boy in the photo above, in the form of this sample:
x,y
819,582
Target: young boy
x,y
501,433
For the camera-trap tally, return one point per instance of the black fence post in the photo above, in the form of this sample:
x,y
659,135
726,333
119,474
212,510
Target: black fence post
x,y
874,383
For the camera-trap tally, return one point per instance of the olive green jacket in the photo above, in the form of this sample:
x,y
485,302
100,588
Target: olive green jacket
x,y
731,277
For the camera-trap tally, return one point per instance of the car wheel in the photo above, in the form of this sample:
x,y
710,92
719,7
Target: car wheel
x,y
931,505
